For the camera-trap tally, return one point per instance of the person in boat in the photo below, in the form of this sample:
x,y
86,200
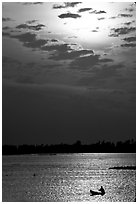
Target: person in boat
x,y
102,190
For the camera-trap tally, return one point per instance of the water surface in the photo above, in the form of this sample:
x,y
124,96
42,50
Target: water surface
x,y
68,177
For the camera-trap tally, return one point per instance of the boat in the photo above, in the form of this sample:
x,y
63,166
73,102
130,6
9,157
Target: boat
x,y
101,191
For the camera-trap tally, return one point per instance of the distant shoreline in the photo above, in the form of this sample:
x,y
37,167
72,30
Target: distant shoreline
x,y
128,146
53,154
124,167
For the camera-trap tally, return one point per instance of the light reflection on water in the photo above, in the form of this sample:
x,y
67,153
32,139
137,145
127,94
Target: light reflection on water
x,y
68,177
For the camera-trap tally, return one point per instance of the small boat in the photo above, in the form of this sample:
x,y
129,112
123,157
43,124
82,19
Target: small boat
x,y
101,191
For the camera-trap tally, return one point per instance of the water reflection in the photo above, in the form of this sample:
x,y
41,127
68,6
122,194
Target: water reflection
x,y
68,178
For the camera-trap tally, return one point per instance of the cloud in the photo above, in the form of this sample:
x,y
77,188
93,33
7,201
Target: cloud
x,y
5,34
73,36
125,15
32,27
128,23
69,15
84,9
121,31
94,31
130,9
72,4
101,18
57,6
33,3
25,37
130,39
6,28
6,19
30,40
54,40
97,12
88,62
128,45
68,55
37,43
65,5
31,21
113,17
59,47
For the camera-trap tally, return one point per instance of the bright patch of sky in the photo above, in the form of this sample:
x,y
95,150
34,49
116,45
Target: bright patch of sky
x,y
70,34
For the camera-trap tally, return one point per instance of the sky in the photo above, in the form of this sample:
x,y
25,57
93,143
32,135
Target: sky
x,y
68,72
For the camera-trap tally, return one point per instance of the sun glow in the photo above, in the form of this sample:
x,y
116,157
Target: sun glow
x,y
90,29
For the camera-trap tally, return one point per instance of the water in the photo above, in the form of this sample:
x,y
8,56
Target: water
x,y
68,177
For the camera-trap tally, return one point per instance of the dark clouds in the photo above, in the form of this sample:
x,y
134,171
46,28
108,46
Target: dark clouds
x,y
6,19
66,5
125,15
55,114
57,6
113,17
69,15
42,104
5,34
130,39
121,31
88,62
130,9
58,47
128,45
65,55
31,27
31,21
37,43
65,52
128,23
102,18
84,9
30,40
82,59
33,3
62,51
25,37
97,12
94,31
6,28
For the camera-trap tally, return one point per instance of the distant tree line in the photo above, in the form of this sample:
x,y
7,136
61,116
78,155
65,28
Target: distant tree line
x,y
128,146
